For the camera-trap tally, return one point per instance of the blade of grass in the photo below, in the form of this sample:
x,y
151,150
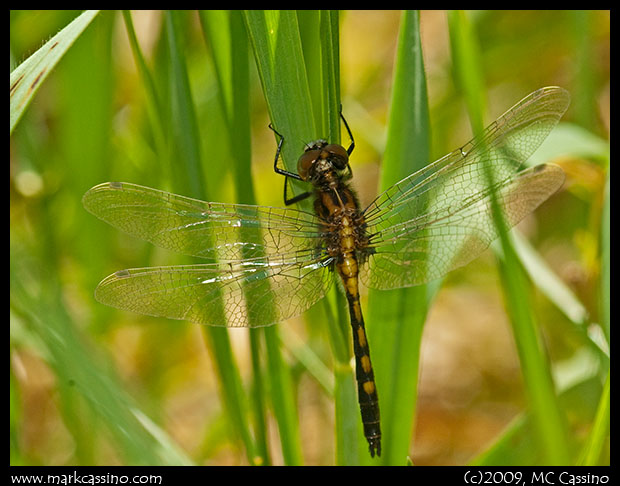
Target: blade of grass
x,y
559,293
279,57
349,438
599,435
226,32
553,287
277,50
396,318
310,33
319,32
467,66
297,346
27,78
605,300
154,106
82,135
277,39
188,180
187,173
330,70
540,390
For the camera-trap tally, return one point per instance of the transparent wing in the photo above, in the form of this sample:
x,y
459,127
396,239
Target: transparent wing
x,y
431,246
261,253
439,218
225,232
245,294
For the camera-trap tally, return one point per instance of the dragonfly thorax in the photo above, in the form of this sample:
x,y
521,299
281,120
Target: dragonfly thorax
x,y
319,161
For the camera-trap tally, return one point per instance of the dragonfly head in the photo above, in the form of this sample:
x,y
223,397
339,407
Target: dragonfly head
x,y
319,157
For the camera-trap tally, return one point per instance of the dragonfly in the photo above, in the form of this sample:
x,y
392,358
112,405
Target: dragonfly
x,y
267,264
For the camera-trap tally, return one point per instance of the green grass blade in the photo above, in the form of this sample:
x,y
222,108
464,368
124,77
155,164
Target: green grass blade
x,y
288,46
188,179
27,78
225,31
349,442
187,172
155,110
467,66
546,280
606,260
276,43
396,318
320,38
330,64
539,386
599,435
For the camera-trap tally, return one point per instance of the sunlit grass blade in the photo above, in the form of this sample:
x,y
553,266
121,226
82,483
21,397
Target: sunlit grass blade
x,y
553,287
566,138
557,292
277,38
349,442
330,71
279,58
600,434
539,386
396,318
27,78
278,54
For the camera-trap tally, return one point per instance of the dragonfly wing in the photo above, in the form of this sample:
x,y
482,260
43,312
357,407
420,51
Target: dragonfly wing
x,y
439,217
223,232
426,248
449,182
245,294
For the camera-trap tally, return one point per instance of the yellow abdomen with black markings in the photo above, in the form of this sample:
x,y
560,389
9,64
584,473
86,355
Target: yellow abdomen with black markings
x,y
337,206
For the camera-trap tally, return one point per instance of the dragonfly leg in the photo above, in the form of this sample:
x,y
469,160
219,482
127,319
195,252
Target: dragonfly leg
x,y
352,145
286,173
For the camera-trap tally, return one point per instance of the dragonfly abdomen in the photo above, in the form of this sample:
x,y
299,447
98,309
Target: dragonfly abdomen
x,y
348,240
366,388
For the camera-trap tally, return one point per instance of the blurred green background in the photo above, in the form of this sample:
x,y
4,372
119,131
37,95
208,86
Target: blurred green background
x,y
92,385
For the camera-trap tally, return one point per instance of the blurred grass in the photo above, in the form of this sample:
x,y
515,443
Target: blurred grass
x,y
188,173
133,372
396,318
539,386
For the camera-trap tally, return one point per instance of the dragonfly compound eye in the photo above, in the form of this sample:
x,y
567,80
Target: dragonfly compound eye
x,y
337,155
306,161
